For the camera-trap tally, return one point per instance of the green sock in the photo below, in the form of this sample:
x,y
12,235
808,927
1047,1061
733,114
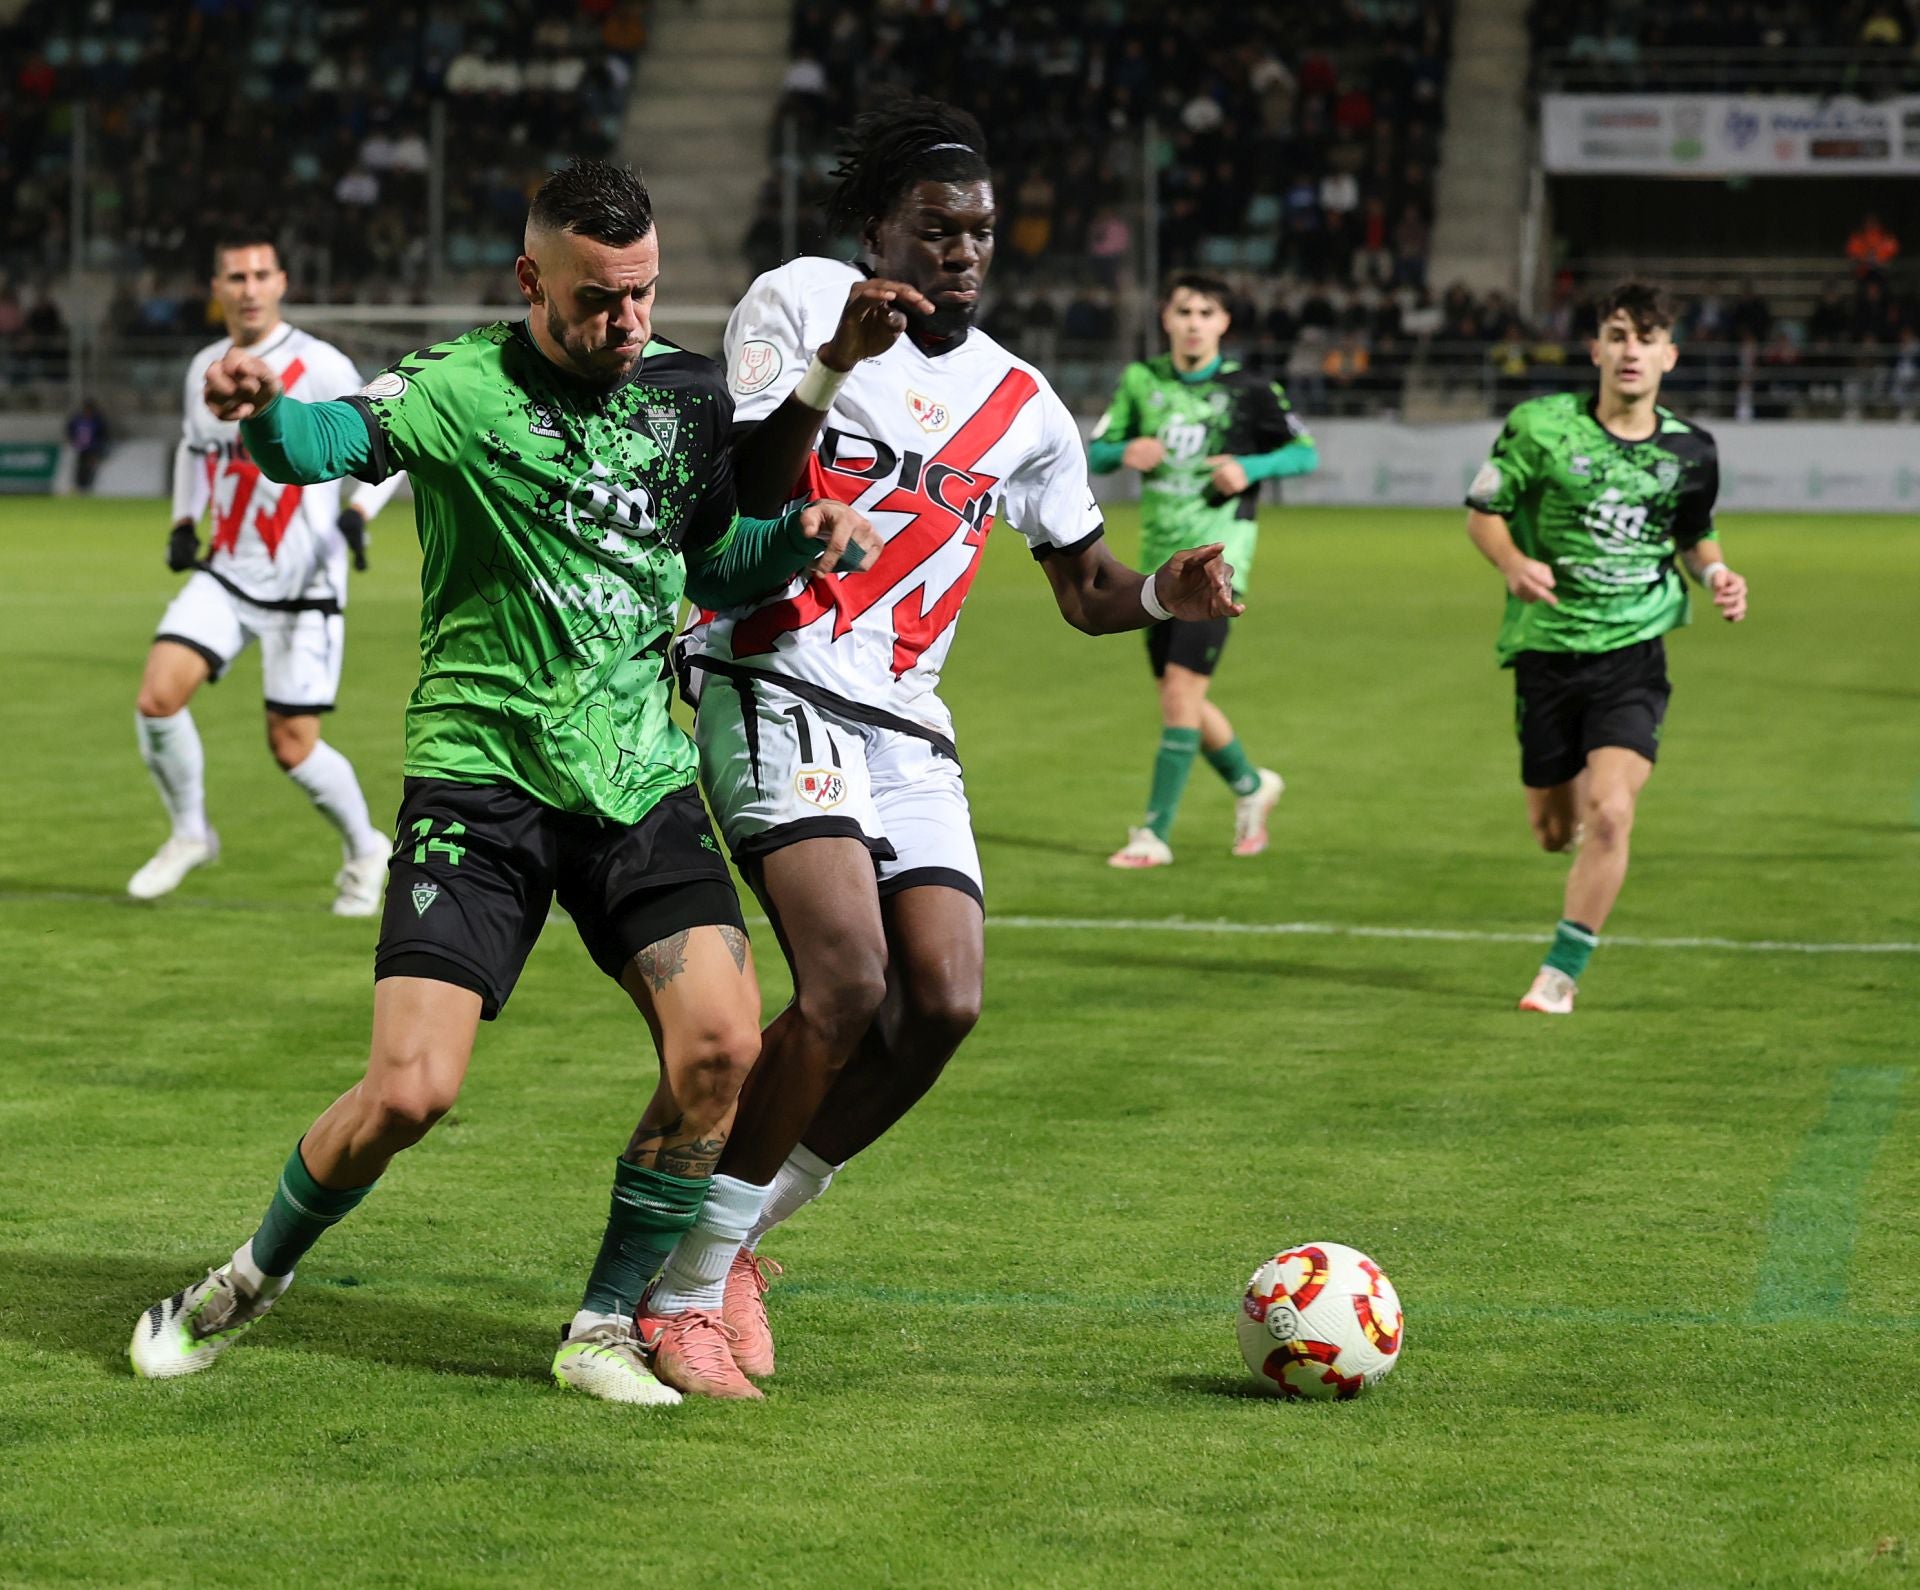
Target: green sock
x,y
1573,946
1171,766
1231,763
650,1211
299,1216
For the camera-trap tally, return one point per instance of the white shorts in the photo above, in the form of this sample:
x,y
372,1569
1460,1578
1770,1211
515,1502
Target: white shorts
x,y
300,653
778,769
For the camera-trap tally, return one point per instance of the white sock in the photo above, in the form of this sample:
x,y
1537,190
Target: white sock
x,y
796,1184
587,1319
171,749
243,1266
327,777
696,1271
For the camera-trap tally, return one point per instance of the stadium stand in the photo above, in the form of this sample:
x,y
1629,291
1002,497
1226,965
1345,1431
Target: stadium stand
x,y
182,99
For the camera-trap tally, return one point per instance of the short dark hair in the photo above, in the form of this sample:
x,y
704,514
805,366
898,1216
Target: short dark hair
x,y
1648,306
241,239
596,199
1214,287
895,146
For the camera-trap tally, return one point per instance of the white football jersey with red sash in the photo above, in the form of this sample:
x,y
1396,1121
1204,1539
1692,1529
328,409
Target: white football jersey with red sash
x,y
270,542
926,448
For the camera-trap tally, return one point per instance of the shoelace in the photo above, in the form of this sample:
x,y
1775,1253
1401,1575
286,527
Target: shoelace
x,y
701,1336
763,1272
218,1308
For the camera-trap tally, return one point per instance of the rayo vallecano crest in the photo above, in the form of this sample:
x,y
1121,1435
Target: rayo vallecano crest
x,y
820,786
927,414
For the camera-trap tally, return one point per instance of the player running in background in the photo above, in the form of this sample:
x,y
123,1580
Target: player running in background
x,y
276,573
825,749
572,478
1585,507
1203,432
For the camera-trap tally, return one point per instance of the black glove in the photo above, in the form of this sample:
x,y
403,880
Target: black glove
x,y
183,548
353,530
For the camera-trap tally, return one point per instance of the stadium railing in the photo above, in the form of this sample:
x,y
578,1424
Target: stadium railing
x,y
1865,72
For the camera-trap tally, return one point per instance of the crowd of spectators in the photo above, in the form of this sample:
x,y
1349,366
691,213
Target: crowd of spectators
x,y
1347,350
315,121
1282,139
1832,46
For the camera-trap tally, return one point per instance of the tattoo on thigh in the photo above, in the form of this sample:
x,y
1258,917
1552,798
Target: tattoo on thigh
x,y
692,1159
736,943
661,963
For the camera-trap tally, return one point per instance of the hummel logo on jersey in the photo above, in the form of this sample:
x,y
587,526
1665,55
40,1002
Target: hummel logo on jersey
x,y
1580,464
664,426
543,422
424,894
927,414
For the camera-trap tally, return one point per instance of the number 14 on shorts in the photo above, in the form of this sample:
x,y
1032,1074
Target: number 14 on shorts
x,y
426,846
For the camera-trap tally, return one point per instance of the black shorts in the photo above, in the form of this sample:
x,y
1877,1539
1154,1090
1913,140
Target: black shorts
x,y
1192,643
476,866
1568,704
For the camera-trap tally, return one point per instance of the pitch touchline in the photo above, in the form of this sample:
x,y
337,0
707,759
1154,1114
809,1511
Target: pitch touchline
x,y
1101,924
1180,924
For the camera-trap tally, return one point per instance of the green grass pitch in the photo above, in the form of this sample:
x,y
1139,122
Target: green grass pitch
x,y
1660,1262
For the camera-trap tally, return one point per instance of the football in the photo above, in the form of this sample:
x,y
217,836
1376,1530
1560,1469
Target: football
x,y
1320,1320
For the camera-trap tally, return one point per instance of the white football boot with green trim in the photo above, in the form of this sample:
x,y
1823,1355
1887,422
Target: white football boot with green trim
x,y
183,1334
607,1362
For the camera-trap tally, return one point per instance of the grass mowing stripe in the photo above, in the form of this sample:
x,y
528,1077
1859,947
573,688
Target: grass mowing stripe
x,y
1165,924
860,1293
1816,1208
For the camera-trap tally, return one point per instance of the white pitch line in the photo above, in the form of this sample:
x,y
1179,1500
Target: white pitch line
x,y
1335,930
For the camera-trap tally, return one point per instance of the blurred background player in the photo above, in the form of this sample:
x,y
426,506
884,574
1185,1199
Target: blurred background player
x,y
276,573
1584,507
825,748
1204,432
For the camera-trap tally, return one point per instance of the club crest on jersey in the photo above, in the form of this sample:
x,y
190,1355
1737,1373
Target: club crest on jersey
x,y
927,414
387,384
424,894
664,427
820,786
1666,473
755,367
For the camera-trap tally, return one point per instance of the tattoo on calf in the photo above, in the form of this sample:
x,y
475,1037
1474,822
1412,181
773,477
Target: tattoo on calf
x,y
646,1138
695,1159
736,943
661,963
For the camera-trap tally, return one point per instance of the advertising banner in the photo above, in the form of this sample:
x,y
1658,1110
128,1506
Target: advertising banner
x,y
1717,135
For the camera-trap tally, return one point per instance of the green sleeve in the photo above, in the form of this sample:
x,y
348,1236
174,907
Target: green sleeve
x,y
303,444
1116,428
1296,458
752,558
1509,470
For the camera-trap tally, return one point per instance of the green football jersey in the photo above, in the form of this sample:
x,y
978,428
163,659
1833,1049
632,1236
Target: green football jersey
x,y
1226,409
1609,516
553,520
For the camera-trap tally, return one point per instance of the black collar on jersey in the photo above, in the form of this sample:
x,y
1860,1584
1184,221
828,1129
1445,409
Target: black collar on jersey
x,y
1593,413
260,350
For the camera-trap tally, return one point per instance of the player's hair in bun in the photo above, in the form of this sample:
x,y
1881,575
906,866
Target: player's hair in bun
x,y
899,143
596,199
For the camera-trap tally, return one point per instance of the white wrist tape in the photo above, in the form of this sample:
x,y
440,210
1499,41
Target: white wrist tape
x,y
1150,600
1705,576
820,385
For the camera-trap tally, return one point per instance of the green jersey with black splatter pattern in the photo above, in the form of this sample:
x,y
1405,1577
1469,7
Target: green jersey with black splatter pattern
x,y
1608,515
555,523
